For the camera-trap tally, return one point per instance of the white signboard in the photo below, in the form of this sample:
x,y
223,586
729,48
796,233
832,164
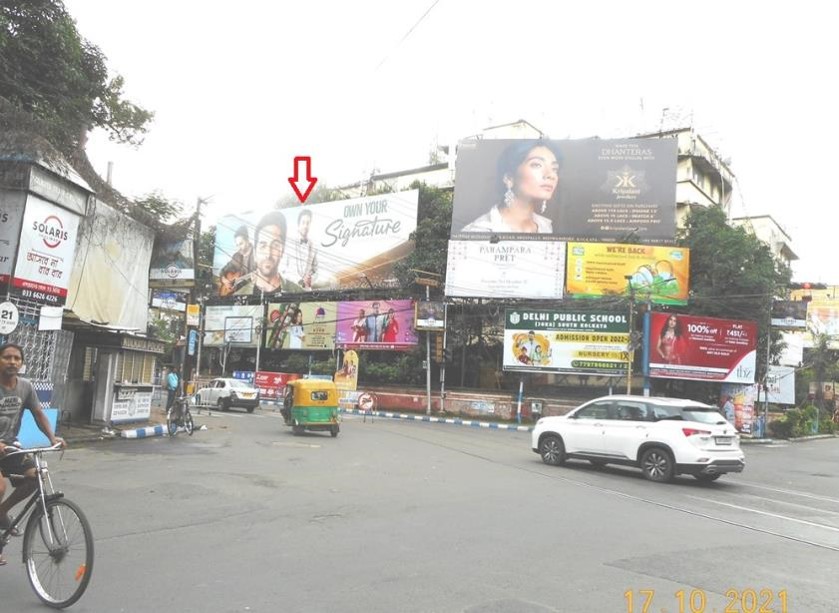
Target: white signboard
x,y
231,323
50,318
793,353
11,214
46,252
507,269
9,317
781,382
131,405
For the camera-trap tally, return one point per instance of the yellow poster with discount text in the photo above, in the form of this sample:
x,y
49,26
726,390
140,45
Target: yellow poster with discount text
x,y
655,273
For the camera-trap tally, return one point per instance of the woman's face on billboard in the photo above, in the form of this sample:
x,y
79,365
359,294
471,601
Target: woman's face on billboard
x,y
538,175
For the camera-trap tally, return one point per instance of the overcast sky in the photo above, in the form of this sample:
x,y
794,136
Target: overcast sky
x,y
241,88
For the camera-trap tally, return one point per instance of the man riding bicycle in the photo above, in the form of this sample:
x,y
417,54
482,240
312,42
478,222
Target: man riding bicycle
x,y
17,394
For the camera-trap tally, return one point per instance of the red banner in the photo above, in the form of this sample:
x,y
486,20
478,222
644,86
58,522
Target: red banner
x,y
702,348
271,385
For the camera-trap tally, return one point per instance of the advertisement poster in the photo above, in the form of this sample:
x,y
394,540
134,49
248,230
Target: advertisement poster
x,y
743,397
566,341
169,300
271,385
579,190
702,348
789,314
430,316
330,245
231,324
657,274
376,324
172,264
193,315
508,269
781,383
305,326
823,317
346,379
130,404
46,251
11,216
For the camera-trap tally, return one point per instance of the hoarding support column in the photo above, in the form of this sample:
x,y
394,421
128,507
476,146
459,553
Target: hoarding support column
x,y
443,367
521,394
428,359
631,347
645,352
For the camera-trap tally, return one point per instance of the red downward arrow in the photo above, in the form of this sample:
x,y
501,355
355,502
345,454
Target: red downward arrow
x,y
306,163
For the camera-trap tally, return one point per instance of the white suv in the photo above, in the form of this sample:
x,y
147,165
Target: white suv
x,y
663,436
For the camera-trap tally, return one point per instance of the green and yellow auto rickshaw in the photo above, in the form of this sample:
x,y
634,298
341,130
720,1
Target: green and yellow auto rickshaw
x,y
311,404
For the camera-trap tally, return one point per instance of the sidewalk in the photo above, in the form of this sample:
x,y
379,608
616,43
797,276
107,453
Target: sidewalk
x,y
89,433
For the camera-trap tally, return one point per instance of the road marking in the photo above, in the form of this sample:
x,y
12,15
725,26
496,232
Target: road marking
x,y
768,514
788,492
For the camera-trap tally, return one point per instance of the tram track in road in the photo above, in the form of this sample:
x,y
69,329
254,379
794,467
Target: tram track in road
x,y
684,509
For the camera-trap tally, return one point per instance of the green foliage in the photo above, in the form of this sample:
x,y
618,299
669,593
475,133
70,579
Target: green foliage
x,y
406,369
204,286
160,207
50,72
431,237
797,422
733,274
827,426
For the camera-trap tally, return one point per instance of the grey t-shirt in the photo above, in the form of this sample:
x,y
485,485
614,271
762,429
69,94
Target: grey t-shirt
x,y
12,403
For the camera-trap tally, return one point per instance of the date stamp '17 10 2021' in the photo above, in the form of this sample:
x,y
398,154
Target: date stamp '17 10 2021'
x,y
695,601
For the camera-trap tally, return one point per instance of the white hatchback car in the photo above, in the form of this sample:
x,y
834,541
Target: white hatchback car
x,y
664,437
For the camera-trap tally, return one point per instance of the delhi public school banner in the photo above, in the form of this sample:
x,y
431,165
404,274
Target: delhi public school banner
x,y
566,341
46,252
302,326
506,269
376,324
657,274
330,245
702,348
593,189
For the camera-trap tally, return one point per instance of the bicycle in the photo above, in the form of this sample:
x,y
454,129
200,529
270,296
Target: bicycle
x,y
57,540
178,416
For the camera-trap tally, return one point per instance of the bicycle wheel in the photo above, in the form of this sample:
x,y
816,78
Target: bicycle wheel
x,y
171,423
58,553
189,425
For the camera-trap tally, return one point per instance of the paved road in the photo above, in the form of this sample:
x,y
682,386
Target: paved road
x,y
407,516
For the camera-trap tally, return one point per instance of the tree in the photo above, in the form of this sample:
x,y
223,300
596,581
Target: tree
x,y
434,222
49,71
733,274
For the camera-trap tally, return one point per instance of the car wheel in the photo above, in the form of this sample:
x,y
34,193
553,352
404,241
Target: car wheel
x,y
223,404
657,465
552,450
707,478
250,409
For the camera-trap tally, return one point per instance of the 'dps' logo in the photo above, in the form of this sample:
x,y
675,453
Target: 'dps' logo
x,y
51,231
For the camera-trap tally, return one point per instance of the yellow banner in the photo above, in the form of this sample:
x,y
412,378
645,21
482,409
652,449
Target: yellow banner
x,y
659,274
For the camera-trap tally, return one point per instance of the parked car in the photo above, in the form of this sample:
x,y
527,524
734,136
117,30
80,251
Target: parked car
x,y
227,393
664,437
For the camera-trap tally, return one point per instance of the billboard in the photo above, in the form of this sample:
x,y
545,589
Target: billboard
x,y
823,317
301,326
743,397
793,352
46,251
376,324
789,314
508,269
702,348
11,216
172,263
169,300
331,245
346,379
657,274
781,384
430,316
566,341
234,324
593,189
271,385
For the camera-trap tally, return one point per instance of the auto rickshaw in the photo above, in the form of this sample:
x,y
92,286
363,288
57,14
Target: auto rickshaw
x,y
311,404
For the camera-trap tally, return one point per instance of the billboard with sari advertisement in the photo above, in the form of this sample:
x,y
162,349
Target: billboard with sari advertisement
x,y
743,397
566,341
657,274
702,348
329,245
588,189
308,326
376,324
